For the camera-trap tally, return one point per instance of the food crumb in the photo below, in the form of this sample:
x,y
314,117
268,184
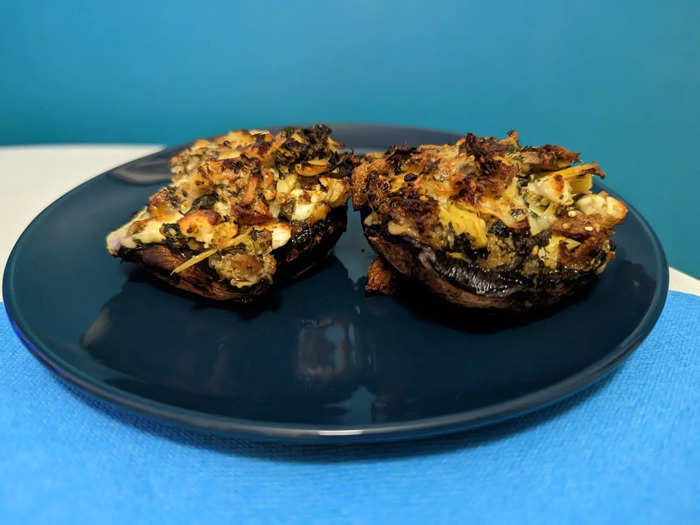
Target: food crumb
x,y
382,278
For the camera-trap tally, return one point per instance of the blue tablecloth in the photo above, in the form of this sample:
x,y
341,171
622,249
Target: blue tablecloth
x,y
627,450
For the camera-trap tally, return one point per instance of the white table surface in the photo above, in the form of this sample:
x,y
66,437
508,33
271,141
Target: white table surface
x,y
34,176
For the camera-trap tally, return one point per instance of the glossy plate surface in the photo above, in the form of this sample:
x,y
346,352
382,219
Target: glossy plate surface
x,y
320,362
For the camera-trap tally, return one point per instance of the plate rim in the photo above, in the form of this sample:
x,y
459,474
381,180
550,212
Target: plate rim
x,y
413,429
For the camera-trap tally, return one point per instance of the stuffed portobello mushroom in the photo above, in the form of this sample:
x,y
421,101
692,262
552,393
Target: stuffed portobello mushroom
x,y
243,211
486,223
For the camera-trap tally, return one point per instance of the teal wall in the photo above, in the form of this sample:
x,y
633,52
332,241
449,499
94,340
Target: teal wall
x,y
618,81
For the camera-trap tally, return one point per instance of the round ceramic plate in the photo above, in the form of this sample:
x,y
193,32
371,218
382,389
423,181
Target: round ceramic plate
x,y
320,361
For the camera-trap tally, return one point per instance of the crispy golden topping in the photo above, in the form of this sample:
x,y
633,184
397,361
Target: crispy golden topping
x,y
236,198
489,201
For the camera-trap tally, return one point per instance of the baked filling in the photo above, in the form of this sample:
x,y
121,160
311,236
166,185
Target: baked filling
x,y
236,199
505,208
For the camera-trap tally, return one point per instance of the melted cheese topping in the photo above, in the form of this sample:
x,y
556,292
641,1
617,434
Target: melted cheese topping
x,y
236,198
483,198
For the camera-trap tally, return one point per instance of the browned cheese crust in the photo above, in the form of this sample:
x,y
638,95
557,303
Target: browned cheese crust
x,y
243,211
487,222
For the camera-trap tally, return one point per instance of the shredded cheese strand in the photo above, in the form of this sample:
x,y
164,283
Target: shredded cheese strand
x,y
207,253
194,260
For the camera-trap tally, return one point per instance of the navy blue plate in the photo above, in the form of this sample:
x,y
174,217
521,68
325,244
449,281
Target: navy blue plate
x,y
319,362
